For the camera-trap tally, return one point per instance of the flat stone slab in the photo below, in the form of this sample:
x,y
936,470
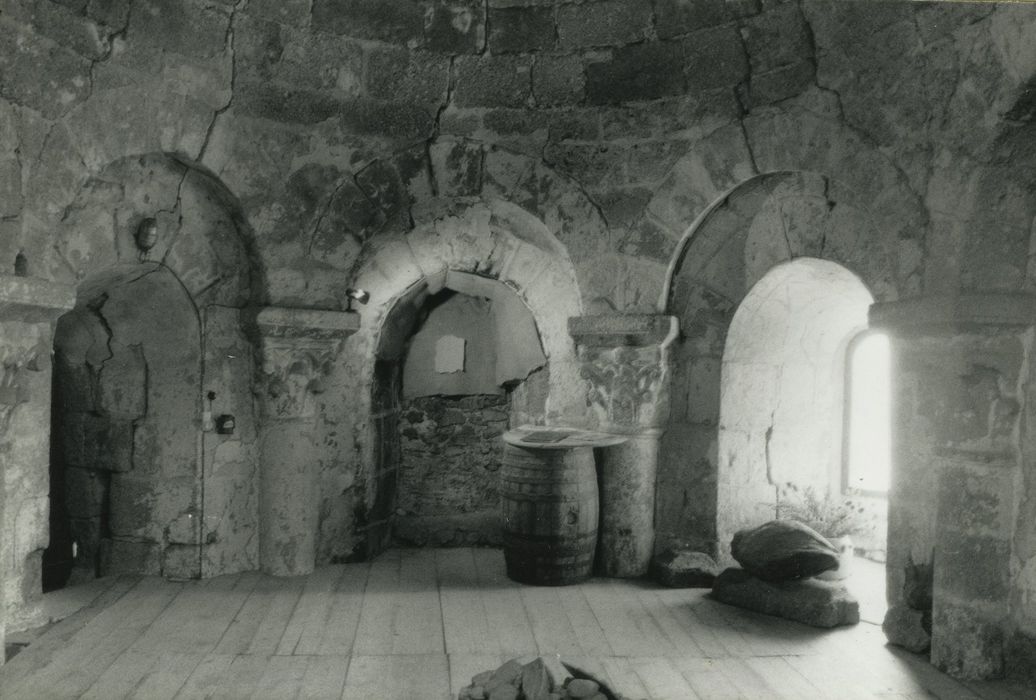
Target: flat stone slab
x,y
684,568
809,601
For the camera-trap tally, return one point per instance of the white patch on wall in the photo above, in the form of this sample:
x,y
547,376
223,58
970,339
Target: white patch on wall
x,y
449,354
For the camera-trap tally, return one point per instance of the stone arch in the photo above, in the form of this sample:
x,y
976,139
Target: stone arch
x,y
389,196
489,239
769,144
202,236
763,222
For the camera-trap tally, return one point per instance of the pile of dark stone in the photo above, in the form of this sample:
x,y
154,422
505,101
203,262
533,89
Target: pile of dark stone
x,y
542,678
779,562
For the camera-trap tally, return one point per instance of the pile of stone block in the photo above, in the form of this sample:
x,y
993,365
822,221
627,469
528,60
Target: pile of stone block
x,y
542,678
780,561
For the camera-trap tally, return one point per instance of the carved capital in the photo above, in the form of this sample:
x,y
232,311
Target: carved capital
x,y
625,360
298,347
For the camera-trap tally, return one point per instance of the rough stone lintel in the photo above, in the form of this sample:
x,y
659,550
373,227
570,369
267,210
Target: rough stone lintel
x,y
31,300
955,313
620,330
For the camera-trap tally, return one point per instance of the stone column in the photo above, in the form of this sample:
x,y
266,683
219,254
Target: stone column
x,y
960,367
625,359
298,348
28,309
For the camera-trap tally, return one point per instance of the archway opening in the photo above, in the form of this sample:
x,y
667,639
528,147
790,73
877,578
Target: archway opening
x,y
455,367
785,425
124,483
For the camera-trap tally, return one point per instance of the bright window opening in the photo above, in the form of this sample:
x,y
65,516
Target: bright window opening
x,y
870,417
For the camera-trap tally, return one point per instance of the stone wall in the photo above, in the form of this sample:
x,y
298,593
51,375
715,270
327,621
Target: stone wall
x,y
450,458
292,150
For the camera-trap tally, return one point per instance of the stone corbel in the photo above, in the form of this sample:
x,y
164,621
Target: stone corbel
x,y
625,360
299,347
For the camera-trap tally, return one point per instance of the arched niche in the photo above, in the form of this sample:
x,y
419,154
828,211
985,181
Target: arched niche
x,y
493,240
126,408
453,369
782,391
203,250
759,224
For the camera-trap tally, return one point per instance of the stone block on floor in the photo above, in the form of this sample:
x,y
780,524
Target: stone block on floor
x,y
809,601
684,568
903,627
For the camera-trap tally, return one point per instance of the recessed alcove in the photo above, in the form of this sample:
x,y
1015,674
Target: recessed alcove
x,y
451,367
124,419
783,406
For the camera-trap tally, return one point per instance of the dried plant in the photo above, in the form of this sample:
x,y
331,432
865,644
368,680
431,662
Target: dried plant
x,y
828,516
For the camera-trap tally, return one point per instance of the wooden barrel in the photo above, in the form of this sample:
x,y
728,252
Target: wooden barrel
x,y
549,506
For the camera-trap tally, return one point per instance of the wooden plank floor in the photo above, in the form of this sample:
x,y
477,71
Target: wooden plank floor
x,y
417,624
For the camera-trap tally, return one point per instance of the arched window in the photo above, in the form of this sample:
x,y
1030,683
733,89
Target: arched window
x,y
868,416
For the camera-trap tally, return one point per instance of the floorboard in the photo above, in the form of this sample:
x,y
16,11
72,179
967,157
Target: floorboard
x,y
418,624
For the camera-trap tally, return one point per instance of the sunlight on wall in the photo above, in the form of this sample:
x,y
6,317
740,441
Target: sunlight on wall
x,y
869,441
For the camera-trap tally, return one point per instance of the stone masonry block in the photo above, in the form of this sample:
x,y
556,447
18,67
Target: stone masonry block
x,y
293,12
640,72
966,643
777,38
10,187
86,491
521,29
392,21
713,58
67,28
127,557
115,447
455,26
39,74
319,62
976,501
123,383
493,81
394,120
113,13
396,73
79,438
181,561
287,105
187,27
558,80
676,17
604,23
458,167
781,83
383,185
973,568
